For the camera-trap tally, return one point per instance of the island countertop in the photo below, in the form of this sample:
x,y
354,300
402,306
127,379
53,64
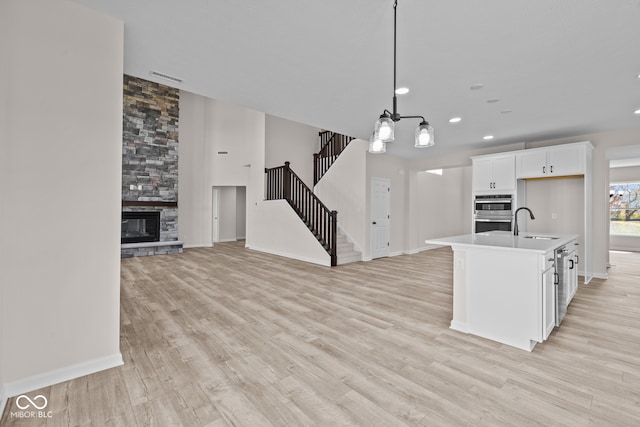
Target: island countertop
x,y
505,240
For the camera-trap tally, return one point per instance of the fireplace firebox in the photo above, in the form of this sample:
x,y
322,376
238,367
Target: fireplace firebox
x,y
138,227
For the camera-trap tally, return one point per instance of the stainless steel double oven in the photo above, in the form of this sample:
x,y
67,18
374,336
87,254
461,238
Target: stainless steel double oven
x,y
493,212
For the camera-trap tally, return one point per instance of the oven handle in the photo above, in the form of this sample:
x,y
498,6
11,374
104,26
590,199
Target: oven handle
x,y
492,220
493,200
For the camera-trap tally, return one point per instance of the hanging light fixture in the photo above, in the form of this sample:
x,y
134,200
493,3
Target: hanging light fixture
x,y
384,128
376,146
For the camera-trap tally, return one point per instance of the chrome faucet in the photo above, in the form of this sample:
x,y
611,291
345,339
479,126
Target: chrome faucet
x,y
515,215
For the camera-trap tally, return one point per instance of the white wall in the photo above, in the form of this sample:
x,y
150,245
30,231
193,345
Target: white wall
x,y
61,174
193,185
557,205
4,178
209,126
443,204
278,230
293,142
343,188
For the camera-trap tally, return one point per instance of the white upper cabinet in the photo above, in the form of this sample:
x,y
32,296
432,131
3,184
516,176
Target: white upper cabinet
x,y
494,173
548,162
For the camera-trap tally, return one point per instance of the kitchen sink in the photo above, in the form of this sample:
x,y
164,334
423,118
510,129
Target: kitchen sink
x,y
541,237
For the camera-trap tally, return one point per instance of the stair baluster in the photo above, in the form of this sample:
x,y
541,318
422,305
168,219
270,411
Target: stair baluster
x,y
331,145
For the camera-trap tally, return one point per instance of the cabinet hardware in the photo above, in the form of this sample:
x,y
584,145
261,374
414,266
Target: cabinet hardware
x,y
544,169
373,222
577,258
556,278
551,169
572,264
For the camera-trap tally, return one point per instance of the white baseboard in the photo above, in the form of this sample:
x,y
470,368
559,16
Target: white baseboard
x,y
326,263
197,245
47,379
422,249
459,326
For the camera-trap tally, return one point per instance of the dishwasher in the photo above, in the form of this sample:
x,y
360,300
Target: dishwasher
x,y
561,282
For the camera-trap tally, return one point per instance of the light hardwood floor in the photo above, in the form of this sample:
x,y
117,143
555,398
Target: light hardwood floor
x,y
231,337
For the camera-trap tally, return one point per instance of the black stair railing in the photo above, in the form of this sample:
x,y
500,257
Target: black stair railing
x,y
331,145
283,183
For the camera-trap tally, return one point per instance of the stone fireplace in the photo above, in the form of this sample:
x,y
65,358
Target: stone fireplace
x,y
150,168
138,227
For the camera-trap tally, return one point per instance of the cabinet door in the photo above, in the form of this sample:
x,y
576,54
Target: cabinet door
x,y
548,301
482,174
572,284
566,161
533,164
504,173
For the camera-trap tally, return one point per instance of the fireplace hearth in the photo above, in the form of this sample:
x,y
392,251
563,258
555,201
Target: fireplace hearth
x,y
139,227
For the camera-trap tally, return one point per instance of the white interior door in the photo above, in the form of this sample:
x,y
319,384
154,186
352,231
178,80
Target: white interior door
x,y
380,218
215,224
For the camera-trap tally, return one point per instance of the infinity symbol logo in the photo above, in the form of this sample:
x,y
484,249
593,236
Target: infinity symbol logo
x,y
31,402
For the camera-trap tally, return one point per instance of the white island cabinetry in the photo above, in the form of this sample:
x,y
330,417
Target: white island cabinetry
x,y
504,286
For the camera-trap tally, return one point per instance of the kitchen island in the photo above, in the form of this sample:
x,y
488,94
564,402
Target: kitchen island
x,y
504,285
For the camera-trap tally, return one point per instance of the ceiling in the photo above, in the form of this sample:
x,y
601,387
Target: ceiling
x,y
548,68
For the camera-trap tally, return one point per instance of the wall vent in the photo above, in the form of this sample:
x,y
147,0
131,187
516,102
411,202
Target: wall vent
x,y
166,77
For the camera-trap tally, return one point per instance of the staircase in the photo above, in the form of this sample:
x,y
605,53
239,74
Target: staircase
x,y
346,251
284,183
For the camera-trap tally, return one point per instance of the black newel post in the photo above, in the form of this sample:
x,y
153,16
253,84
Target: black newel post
x,y
286,182
334,238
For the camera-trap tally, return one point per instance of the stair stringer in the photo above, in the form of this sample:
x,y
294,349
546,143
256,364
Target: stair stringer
x,y
281,232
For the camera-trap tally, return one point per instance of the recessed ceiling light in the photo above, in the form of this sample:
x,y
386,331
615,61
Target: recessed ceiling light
x,y
636,112
492,100
487,137
476,86
455,119
402,90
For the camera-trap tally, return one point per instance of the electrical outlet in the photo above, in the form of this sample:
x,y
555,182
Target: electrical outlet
x,y
554,216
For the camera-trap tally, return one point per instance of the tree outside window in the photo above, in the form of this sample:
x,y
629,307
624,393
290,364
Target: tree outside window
x,y
624,204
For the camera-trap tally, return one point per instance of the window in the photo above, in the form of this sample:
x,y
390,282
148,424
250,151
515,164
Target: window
x,y
624,208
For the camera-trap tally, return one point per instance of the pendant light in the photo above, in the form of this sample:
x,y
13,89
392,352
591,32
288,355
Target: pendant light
x,y
376,145
384,127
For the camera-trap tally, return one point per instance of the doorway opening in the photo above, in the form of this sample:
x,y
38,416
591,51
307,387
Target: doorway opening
x,y
229,214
